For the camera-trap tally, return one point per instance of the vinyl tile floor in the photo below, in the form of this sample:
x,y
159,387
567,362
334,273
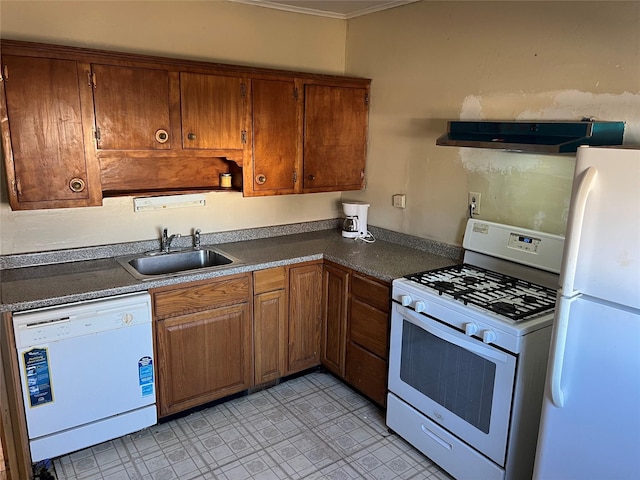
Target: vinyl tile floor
x,y
310,427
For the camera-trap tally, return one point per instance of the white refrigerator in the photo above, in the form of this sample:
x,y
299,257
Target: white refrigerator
x,y
590,424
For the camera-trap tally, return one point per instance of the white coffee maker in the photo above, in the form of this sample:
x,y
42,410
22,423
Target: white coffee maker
x,y
355,223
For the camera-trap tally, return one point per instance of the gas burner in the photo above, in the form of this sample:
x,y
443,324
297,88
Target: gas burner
x,y
504,295
503,308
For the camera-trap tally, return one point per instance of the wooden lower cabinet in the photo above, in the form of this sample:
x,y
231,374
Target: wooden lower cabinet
x,y
270,324
355,330
204,347
305,301
335,286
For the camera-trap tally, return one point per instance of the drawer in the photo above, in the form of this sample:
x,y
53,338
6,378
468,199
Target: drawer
x,y
269,280
438,444
369,327
367,373
371,291
175,301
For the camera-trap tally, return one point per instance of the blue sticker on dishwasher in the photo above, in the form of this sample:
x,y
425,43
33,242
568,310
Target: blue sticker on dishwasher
x,y
38,376
145,375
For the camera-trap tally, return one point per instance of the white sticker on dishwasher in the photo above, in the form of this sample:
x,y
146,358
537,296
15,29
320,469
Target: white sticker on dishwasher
x,y
38,376
145,375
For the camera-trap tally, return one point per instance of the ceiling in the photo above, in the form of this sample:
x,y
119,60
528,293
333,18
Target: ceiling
x,y
344,9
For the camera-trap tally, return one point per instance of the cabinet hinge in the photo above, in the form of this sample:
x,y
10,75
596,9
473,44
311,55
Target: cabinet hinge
x,y
4,75
243,136
96,134
243,89
91,79
295,93
295,177
366,99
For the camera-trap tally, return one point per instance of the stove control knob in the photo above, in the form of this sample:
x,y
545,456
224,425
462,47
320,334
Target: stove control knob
x,y
405,300
470,328
420,307
488,336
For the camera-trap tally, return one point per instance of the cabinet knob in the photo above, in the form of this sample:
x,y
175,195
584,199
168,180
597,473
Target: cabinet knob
x,y
162,136
312,177
76,185
191,136
261,179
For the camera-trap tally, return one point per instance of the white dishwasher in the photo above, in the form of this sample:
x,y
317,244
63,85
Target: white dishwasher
x,y
87,372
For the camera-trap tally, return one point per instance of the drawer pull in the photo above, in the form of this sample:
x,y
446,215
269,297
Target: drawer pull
x,y
435,438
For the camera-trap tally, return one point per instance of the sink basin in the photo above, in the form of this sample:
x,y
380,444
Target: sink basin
x,y
153,265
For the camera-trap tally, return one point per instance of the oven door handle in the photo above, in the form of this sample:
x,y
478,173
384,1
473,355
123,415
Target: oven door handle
x,y
465,343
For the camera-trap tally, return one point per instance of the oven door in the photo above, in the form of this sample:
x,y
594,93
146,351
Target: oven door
x,y
459,382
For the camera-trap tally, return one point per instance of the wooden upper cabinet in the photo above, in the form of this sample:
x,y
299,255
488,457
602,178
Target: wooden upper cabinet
x,y
335,137
48,154
131,108
272,167
80,123
213,111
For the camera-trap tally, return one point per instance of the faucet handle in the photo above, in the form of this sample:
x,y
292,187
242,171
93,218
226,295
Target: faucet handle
x,y
196,238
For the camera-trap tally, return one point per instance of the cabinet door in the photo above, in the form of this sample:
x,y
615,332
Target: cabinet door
x,y
270,335
335,286
305,291
213,111
44,140
132,108
335,137
275,138
203,356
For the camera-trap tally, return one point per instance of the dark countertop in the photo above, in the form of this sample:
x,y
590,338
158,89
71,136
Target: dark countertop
x,y
47,285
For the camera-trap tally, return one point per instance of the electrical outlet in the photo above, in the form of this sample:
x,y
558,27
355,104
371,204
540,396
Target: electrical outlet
x,y
474,203
400,200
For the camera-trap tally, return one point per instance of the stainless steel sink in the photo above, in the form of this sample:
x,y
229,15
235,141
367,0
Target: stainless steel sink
x,y
156,264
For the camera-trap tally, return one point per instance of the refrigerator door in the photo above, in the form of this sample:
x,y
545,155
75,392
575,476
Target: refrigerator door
x,y
596,433
602,248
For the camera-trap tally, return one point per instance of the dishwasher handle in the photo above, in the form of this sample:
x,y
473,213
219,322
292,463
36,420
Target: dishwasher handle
x,y
48,323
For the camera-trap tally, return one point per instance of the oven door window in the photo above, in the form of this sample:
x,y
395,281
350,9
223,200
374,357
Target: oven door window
x,y
459,380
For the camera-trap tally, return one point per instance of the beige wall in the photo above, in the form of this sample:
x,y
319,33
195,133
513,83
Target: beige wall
x,y
430,62
212,30
436,61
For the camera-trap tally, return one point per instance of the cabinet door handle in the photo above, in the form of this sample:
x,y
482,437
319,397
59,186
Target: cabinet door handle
x,y
312,177
76,185
261,179
162,136
191,136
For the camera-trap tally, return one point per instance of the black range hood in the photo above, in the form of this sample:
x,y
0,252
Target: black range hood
x,y
533,136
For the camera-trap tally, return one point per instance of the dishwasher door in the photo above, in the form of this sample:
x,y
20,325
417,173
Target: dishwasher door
x,y
87,372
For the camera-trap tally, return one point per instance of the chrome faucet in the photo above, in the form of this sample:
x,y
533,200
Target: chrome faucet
x,y
165,241
196,238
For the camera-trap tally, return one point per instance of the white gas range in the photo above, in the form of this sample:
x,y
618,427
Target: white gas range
x,y
468,352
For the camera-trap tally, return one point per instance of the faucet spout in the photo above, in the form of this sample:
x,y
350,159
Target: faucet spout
x,y
165,241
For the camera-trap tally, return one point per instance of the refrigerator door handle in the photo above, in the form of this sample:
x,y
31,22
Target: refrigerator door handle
x,y
558,348
574,230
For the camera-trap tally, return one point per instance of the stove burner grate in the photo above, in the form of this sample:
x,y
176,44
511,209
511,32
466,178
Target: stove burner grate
x,y
502,294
